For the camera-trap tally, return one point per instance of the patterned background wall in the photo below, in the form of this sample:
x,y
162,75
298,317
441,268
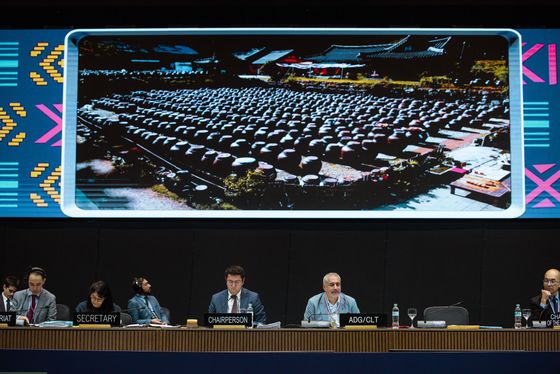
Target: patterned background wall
x,y
31,80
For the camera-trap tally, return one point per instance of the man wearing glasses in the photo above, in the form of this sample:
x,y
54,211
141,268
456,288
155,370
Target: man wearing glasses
x,y
235,298
546,306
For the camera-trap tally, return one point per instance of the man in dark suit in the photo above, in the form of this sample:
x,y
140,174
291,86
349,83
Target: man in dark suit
x,y
10,287
546,306
235,298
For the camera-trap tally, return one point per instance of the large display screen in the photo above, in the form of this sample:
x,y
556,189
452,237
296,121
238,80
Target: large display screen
x,y
293,123
31,89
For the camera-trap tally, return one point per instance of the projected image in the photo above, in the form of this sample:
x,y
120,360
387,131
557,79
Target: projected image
x,y
293,122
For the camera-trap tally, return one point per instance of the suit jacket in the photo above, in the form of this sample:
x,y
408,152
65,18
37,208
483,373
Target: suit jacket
x,y
316,309
2,305
139,311
45,305
538,313
219,304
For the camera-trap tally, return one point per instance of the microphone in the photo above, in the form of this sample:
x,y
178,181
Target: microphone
x,y
428,316
313,316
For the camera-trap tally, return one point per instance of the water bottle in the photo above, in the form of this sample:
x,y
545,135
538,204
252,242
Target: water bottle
x,y
395,316
250,311
517,316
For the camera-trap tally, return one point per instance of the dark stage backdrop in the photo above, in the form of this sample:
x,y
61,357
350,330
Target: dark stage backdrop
x,y
489,265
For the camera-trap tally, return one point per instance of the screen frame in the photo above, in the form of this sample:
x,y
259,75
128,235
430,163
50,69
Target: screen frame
x,y
69,119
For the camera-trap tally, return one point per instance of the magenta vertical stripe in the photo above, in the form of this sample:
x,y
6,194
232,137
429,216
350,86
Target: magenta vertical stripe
x,y
552,65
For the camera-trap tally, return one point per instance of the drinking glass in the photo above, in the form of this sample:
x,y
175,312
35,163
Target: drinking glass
x,y
412,314
526,314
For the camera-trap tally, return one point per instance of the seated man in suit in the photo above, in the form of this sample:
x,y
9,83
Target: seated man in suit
x,y
34,304
143,307
546,306
10,287
328,305
235,297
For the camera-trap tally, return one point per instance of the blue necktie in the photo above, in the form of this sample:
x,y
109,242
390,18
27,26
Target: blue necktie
x,y
554,303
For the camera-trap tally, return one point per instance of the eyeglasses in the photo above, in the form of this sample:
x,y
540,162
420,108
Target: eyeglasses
x,y
550,281
234,283
95,298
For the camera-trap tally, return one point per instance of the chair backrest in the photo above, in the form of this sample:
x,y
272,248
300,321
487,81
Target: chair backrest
x,y
166,313
63,312
126,319
452,315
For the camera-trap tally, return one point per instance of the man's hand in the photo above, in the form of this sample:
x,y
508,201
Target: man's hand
x,y
24,319
544,296
157,321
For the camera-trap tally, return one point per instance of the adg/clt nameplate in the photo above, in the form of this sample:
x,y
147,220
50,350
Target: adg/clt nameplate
x,y
362,319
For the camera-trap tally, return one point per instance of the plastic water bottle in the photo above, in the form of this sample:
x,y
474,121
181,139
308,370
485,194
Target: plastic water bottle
x,y
517,316
395,316
250,311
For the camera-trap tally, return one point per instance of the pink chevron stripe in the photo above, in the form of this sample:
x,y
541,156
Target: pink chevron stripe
x,y
534,49
542,186
58,107
546,203
55,130
57,144
531,75
542,168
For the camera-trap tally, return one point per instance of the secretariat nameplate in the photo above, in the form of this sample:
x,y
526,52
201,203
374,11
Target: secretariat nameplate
x,y
8,318
231,319
359,319
113,319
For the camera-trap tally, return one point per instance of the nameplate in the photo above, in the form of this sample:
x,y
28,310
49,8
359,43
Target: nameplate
x,y
362,319
113,319
8,318
360,327
228,319
553,320
463,327
230,327
90,326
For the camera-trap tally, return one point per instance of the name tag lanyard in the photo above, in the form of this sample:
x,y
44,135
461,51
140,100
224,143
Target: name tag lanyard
x,y
329,309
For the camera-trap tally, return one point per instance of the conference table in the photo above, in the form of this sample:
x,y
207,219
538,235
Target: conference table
x,y
278,340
